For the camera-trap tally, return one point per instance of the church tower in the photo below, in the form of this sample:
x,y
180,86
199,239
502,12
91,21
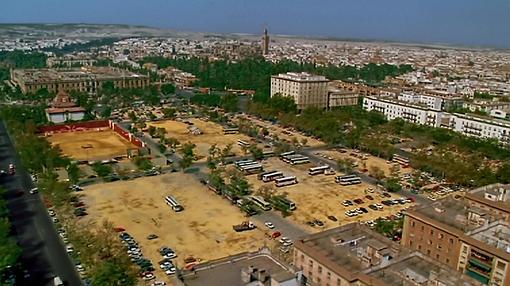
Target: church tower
x,y
265,43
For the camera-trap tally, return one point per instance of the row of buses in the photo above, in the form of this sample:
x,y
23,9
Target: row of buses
x,y
278,177
174,204
348,180
266,206
249,167
294,159
404,162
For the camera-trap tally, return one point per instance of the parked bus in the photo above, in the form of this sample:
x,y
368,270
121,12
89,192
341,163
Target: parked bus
x,y
288,158
242,162
230,131
259,176
287,154
348,180
317,170
303,160
243,143
267,153
172,202
261,203
252,169
290,205
273,176
401,160
286,181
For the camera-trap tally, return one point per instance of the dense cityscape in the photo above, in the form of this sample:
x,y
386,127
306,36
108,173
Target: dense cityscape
x,y
140,156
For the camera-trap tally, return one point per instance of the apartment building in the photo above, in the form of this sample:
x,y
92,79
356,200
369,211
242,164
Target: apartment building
x,y
470,125
86,79
354,254
472,240
339,97
307,90
431,102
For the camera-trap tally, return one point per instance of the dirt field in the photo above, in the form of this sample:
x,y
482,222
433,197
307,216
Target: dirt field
x,y
319,196
285,133
91,145
212,134
203,229
371,161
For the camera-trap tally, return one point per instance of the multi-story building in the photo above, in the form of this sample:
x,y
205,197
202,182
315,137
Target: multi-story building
x,y
495,197
472,240
431,102
338,97
470,125
356,255
307,90
70,61
62,109
84,79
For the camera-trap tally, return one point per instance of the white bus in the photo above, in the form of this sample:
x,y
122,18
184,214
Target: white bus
x,y
288,203
286,181
272,176
348,180
243,162
259,176
243,143
401,160
289,158
230,130
317,170
287,154
303,160
173,203
252,169
261,203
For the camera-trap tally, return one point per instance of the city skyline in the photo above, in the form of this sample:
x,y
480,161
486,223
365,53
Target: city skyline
x,y
465,23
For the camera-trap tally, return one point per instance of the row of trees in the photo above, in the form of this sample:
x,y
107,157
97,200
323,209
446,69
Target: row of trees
x,y
9,249
229,102
255,73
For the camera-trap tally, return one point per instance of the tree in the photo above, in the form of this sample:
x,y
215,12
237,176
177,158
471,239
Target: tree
x,y
256,152
173,142
376,172
345,165
151,130
169,113
102,170
265,191
73,172
188,155
392,185
167,89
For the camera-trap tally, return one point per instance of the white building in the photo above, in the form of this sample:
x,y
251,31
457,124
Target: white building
x,y
306,89
429,101
469,125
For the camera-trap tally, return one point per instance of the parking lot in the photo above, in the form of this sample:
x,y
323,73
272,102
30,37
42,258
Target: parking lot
x,y
319,197
93,145
202,230
212,133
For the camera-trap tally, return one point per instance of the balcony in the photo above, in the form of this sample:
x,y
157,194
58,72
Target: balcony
x,y
480,263
478,276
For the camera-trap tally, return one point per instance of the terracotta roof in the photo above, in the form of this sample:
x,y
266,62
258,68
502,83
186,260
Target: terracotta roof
x,y
62,100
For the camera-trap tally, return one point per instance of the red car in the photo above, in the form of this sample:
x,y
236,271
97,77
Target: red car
x,y
369,197
411,199
358,201
276,234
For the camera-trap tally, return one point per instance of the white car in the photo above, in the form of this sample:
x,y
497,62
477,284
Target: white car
x,y
269,225
34,191
285,239
80,268
51,212
69,249
55,220
170,255
148,276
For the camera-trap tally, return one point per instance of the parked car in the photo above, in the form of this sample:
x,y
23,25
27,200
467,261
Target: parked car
x,y
34,191
152,236
269,225
332,218
276,234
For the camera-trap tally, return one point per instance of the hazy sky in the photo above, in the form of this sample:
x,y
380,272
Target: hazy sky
x,y
469,22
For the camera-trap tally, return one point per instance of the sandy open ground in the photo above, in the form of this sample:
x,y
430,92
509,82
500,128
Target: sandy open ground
x,y
91,145
319,196
284,133
371,161
203,229
212,134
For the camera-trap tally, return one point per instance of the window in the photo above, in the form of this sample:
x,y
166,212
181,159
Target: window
x,y
431,232
422,228
447,260
320,269
501,265
440,236
451,240
428,251
329,275
437,256
412,224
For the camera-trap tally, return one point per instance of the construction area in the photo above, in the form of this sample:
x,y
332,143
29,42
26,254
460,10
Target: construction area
x,y
210,133
91,145
319,197
202,229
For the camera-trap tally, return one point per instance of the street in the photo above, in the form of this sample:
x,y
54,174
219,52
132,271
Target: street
x,y
44,254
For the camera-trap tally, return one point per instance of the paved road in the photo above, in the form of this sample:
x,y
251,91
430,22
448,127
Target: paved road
x,y
44,255
286,227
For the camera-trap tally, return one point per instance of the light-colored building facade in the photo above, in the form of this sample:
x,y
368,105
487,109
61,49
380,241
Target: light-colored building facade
x,y
307,90
338,97
85,79
63,109
470,125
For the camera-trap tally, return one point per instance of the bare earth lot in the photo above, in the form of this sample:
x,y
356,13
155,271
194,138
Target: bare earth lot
x,y
212,134
319,196
203,229
91,145
284,133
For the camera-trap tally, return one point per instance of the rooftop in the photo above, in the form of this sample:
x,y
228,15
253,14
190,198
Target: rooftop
x,y
301,77
31,76
457,214
419,269
350,249
229,270
496,234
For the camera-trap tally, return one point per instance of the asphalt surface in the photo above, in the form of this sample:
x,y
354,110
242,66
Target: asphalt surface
x,y
44,254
